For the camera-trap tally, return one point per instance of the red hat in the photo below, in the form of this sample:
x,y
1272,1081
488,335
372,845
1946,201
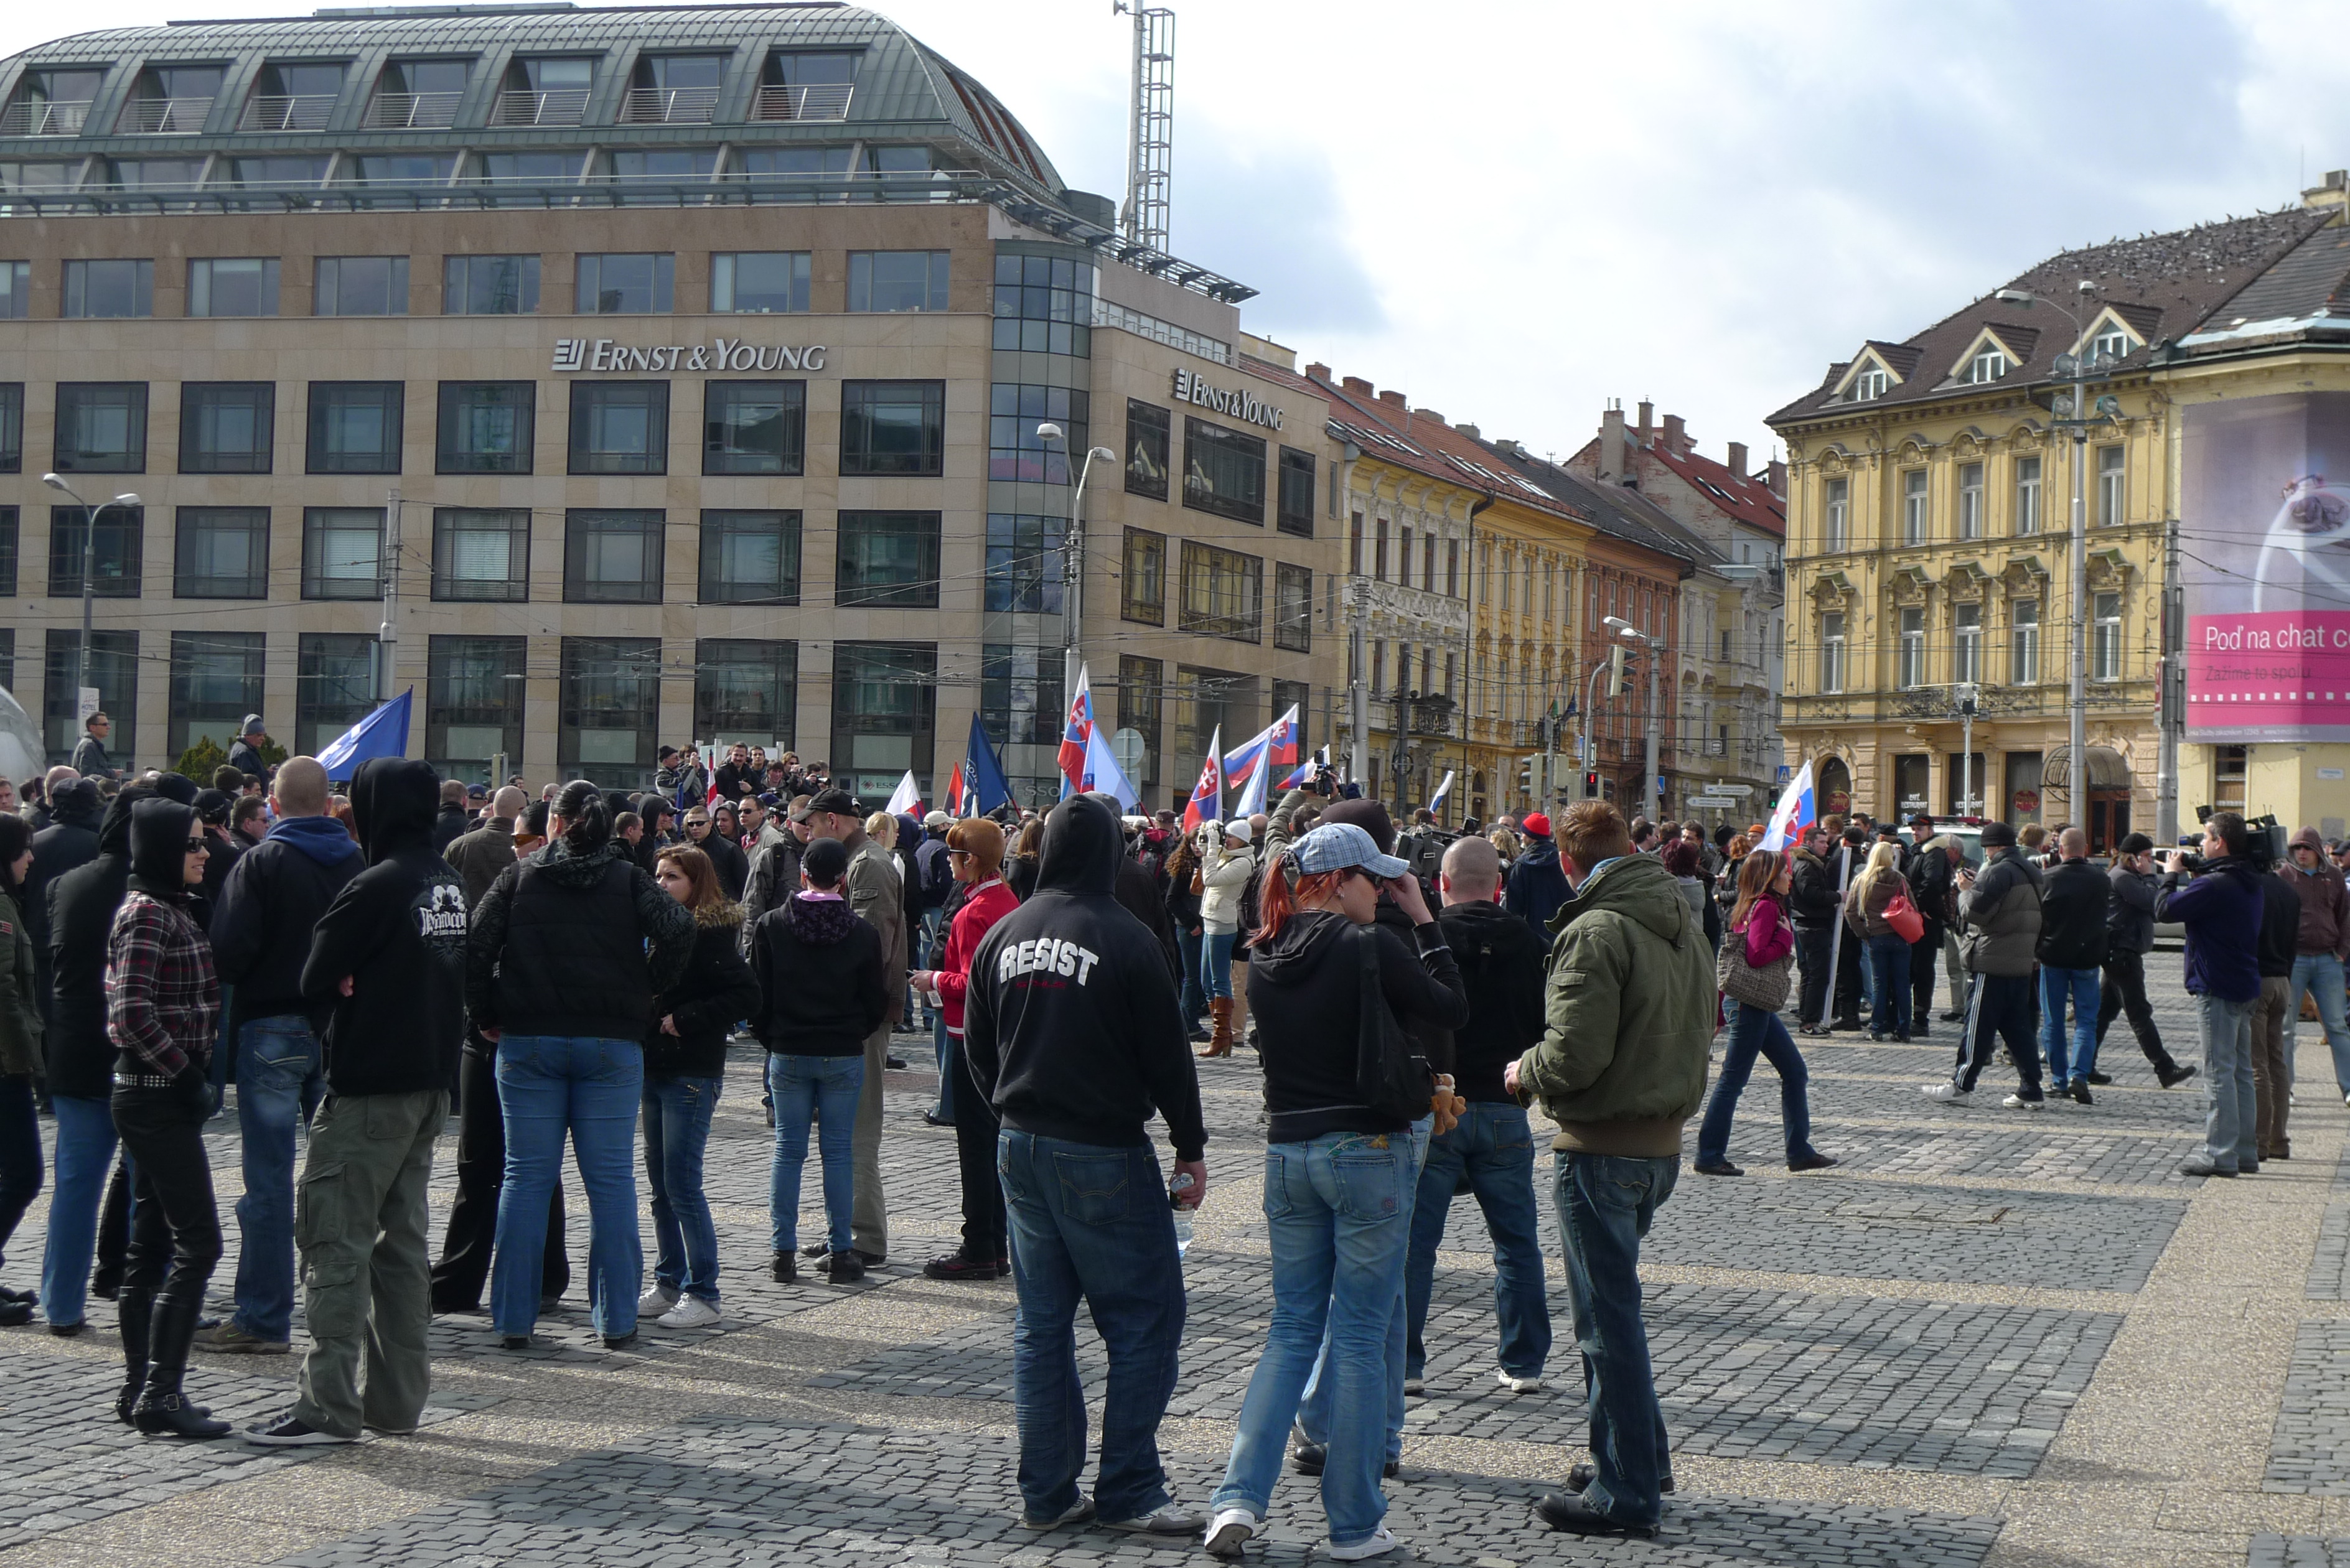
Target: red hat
x,y
1536,823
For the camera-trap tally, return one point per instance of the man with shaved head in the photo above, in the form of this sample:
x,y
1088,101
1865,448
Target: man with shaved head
x,y
274,897
2075,898
1501,961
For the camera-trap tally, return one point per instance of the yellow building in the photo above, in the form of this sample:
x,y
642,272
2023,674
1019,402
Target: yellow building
x,y
1930,494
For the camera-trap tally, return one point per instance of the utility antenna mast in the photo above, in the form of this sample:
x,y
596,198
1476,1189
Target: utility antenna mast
x,y
1151,136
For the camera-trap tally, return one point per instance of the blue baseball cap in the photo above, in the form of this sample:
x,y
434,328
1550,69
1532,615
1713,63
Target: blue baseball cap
x,y
1343,846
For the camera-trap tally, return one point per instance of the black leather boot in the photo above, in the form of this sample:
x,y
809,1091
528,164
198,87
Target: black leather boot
x,y
133,1307
164,1411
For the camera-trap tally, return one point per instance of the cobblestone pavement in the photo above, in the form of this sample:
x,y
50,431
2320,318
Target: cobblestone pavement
x,y
1988,1337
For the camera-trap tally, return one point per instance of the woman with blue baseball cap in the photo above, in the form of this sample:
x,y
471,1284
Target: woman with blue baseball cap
x,y
1339,1172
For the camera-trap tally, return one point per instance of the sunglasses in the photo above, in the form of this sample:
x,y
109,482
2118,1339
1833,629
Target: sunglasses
x,y
199,847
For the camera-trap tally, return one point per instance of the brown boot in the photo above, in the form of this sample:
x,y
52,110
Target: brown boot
x,y
1220,1016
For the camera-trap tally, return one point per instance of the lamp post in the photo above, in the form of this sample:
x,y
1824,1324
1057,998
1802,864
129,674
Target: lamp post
x,y
2072,412
1652,789
88,571
1073,559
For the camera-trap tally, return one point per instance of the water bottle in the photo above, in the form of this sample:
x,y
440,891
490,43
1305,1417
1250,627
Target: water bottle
x,y
1183,1212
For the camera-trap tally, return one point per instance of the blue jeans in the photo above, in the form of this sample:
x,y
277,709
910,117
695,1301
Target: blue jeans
x,y
1888,972
1495,1148
2231,1110
944,1110
824,1090
1313,1409
1091,1224
279,1083
1338,1209
2320,974
677,1129
1191,949
1751,1034
1216,963
2080,986
1605,1205
84,1158
550,1084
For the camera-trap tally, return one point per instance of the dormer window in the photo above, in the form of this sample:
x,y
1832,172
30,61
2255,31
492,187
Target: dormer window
x,y
171,100
806,84
1988,365
292,96
51,102
675,89
1869,385
419,95
545,92
2110,343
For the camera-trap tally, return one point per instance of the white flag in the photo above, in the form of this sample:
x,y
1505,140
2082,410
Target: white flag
x,y
906,797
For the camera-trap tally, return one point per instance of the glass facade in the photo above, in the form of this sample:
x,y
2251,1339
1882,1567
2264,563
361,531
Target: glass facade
x,y
609,708
746,691
222,553
333,686
749,557
884,709
225,426
473,703
215,682
754,427
1025,563
355,426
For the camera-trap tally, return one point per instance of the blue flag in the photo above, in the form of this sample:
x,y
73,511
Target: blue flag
x,y
382,734
984,775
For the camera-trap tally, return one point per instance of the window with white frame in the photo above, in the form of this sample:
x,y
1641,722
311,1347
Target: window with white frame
x,y
2110,343
1966,660
2027,496
2110,482
1913,507
1837,516
1832,652
2105,642
1869,385
2023,662
1970,500
1989,364
1911,668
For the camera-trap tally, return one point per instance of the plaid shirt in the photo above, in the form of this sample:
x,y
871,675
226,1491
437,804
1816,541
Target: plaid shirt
x,y
162,998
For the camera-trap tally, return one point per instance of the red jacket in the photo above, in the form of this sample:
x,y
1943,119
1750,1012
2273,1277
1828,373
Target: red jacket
x,y
1768,936
981,908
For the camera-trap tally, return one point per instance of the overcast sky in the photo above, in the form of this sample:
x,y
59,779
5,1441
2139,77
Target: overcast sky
x,y
1514,211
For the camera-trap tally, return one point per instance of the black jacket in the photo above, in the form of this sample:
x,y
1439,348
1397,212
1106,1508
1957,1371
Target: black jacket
x,y
824,986
450,824
2130,923
1501,963
715,993
81,906
262,927
1071,1022
1137,892
2280,928
1813,901
2074,900
726,858
245,758
1933,882
557,945
69,840
1536,889
1305,989
397,933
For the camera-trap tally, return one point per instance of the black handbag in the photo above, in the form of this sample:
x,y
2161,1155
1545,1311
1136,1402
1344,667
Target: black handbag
x,y
1391,1074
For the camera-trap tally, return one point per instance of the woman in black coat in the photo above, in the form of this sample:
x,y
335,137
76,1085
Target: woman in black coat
x,y
685,1064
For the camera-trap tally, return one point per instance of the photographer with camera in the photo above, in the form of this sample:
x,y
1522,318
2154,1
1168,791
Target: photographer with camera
x,y
2221,908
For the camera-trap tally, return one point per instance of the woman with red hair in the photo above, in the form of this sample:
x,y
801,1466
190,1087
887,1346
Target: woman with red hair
x,y
975,854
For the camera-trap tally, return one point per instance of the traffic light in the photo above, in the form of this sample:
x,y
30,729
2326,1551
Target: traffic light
x,y
1591,785
1526,775
1619,671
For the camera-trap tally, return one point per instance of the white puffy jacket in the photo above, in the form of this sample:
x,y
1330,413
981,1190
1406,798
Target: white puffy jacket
x,y
1225,874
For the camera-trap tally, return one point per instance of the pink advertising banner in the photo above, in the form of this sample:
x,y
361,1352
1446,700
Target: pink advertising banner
x,y
2264,547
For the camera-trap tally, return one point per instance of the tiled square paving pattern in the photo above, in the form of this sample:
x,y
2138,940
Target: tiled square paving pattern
x,y
1894,1363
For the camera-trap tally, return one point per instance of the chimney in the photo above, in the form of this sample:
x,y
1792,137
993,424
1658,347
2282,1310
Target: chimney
x,y
1470,430
1318,372
1778,481
1393,399
2333,196
1676,440
1357,386
1424,412
1737,458
1647,417
1611,443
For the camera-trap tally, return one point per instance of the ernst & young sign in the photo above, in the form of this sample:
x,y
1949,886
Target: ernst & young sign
x,y
1240,404
720,355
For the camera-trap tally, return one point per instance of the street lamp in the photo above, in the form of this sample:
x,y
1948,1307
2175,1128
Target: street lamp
x,y
2072,412
1653,789
88,571
1073,558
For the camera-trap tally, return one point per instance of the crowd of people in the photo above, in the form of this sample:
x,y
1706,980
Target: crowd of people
x,y
574,970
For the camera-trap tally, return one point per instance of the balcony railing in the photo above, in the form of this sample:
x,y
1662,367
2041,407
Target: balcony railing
x,y
414,111
165,116
824,101
302,111
670,106
565,106
44,117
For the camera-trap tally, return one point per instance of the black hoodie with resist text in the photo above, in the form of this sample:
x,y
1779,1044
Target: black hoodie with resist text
x,y
1072,1018
396,932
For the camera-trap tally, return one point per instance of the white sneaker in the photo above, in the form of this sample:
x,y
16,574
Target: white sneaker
x,y
2018,1103
1414,1384
1232,1529
1173,1519
1946,1092
1377,1544
656,1300
693,1311
1517,1385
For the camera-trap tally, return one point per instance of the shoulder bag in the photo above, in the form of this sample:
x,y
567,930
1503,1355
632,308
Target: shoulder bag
x,y
1391,1074
1766,988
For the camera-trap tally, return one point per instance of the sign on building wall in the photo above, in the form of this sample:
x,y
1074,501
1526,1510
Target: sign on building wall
x,y
2264,530
576,355
1237,401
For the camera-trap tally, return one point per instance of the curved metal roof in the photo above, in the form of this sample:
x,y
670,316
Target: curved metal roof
x,y
904,89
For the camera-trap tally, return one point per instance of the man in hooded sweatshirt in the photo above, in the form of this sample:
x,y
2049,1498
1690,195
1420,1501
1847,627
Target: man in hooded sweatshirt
x,y
1999,917
874,896
1071,1024
261,938
69,840
2221,908
1536,887
388,959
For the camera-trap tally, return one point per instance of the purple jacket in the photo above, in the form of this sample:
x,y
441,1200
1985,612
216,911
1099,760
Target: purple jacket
x,y
2222,910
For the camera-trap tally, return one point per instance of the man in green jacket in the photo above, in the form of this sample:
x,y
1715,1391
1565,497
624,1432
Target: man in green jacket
x,y
1620,1066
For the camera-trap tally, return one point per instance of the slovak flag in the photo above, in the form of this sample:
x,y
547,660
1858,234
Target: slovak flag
x,y
1276,745
1316,766
1076,736
1207,796
1795,815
